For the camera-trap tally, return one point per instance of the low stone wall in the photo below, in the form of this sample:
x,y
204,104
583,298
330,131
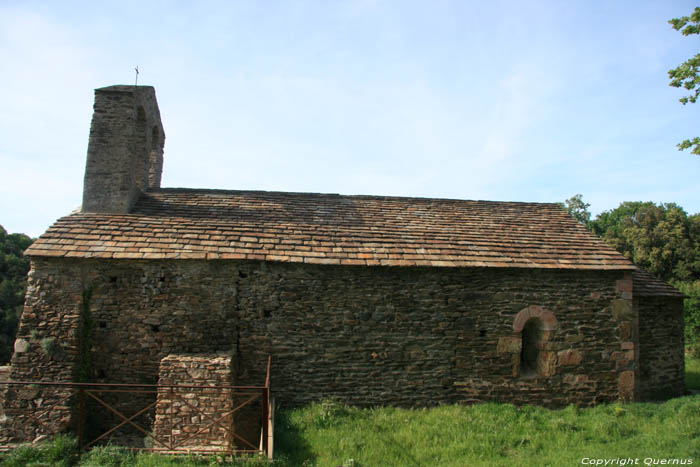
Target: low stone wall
x,y
31,413
195,417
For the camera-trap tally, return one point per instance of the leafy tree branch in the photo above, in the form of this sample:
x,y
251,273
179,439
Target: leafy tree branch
x,y
686,75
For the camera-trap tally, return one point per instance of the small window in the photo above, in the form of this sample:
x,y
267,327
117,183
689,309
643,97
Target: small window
x,y
534,326
532,339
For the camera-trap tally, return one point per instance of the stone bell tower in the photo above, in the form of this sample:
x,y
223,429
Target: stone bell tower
x,y
125,150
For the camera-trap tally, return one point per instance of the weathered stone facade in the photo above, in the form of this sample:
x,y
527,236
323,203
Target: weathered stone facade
x,y
417,336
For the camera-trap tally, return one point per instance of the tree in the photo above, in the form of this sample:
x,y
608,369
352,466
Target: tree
x,y
665,241
686,74
661,238
691,311
13,284
578,209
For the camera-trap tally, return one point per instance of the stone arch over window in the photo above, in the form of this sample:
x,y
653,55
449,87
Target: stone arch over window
x,y
535,326
549,321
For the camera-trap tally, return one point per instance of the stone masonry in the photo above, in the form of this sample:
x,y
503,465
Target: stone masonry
x,y
418,336
661,349
125,150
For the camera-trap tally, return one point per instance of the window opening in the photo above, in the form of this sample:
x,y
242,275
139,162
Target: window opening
x,y
532,338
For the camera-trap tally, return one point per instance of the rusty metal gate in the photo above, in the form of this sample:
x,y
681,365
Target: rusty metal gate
x,y
229,431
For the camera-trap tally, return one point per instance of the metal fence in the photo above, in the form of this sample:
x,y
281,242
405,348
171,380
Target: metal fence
x,y
169,419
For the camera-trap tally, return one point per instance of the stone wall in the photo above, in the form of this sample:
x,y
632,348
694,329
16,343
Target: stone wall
x,y
661,347
46,349
420,336
402,336
195,418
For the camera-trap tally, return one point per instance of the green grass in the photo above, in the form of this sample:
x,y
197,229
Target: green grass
x,y
692,372
63,452
329,434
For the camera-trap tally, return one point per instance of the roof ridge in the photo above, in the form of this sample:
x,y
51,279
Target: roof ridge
x,y
339,195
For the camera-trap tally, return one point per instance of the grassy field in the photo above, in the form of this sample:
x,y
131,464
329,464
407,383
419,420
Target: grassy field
x,y
692,373
489,434
331,434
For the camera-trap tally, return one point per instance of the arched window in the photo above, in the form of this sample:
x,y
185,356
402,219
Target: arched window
x,y
532,340
535,326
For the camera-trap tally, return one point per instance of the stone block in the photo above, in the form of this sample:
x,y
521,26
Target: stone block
x,y
574,338
509,345
622,309
569,357
622,356
21,345
625,383
547,364
516,365
627,331
624,285
627,346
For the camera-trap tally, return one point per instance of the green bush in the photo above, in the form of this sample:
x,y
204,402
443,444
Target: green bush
x,y
13,284
692,372
691,310
107,456
61,451
48,345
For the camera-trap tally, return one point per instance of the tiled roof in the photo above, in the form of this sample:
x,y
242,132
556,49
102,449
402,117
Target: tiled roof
x,y
332,229
648,285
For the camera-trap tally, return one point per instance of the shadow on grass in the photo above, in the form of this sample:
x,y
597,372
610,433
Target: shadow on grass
x,y
692,372
290,447
385,437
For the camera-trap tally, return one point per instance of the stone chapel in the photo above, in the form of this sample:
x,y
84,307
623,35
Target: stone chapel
x,y
372,300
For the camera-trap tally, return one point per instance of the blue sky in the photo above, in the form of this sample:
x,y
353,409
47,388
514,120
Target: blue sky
x,y
510,100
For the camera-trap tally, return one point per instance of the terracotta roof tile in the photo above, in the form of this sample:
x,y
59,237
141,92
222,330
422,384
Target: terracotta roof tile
x,y
333,229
